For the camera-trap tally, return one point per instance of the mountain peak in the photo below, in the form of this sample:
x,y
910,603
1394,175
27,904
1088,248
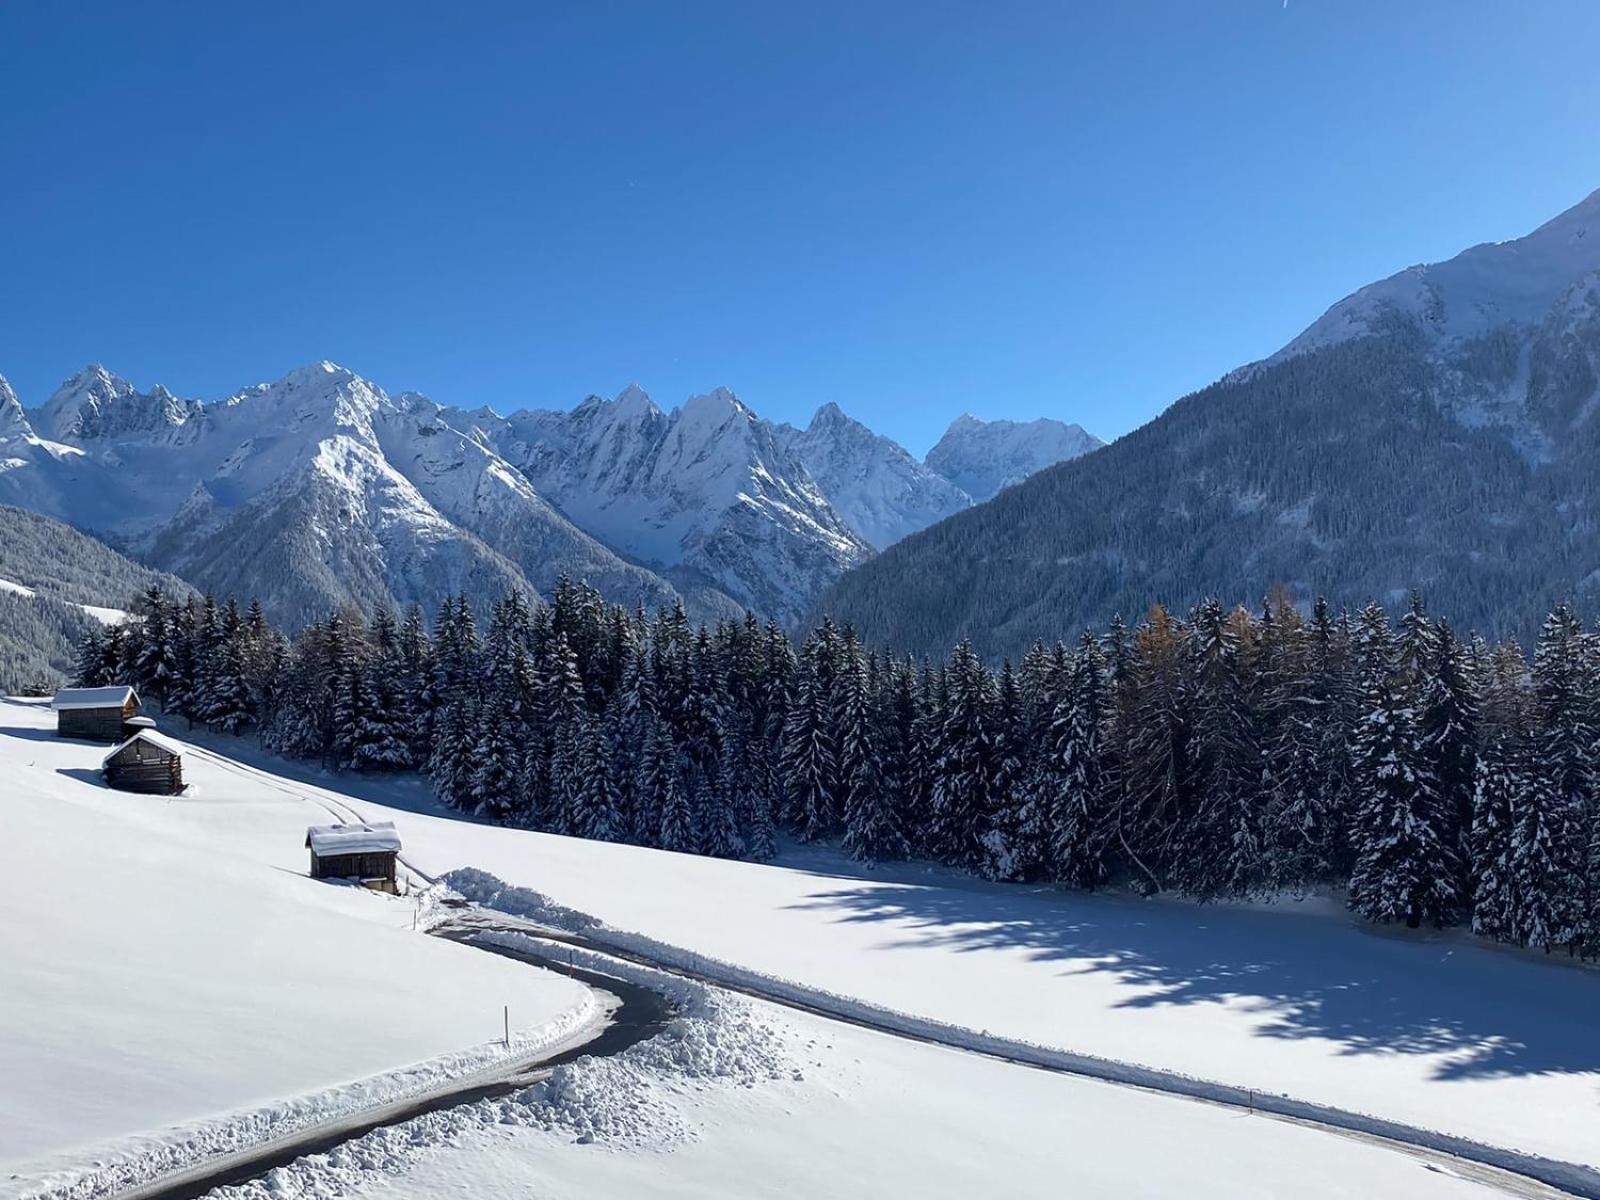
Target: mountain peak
x,y
96,403
716,406
13,421
634,401
831,416
981,457
317,374
1484,287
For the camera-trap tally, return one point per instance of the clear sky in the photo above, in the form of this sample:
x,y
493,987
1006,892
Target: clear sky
x,y
913,209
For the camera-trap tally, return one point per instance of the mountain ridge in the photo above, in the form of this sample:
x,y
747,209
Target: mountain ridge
x,y
321,488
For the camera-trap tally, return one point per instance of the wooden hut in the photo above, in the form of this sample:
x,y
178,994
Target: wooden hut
x,y
362,853
146,762
95,714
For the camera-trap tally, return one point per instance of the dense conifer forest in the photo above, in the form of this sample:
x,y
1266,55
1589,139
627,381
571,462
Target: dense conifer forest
x,y
1436,778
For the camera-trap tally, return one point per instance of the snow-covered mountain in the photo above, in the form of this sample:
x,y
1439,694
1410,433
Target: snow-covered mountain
x,y
95,405
709,491
981,457
322,489
873,482
1436,430
314,491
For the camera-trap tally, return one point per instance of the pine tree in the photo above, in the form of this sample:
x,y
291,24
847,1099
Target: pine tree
x,y
1402,870
809,757
962,787
1561,775
1220,846
871,827
90,668
1073,774
1498,794
1541,868
1153,752
597,806
669,798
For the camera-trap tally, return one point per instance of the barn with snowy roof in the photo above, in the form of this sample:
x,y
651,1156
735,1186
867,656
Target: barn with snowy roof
x,y
147,762
362,852
96,714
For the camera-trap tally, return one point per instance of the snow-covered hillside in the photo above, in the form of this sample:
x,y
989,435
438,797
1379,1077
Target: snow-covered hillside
x,y
168,961
106,616
1433,1030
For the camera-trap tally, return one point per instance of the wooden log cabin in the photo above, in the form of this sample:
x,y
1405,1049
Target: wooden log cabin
x,y
361,853
146,762
95,714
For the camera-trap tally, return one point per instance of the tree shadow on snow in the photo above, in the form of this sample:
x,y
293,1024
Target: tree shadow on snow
x,y
1369,991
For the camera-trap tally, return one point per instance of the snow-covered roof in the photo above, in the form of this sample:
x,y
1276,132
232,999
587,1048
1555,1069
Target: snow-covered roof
x,y
159,740
96,697
366,838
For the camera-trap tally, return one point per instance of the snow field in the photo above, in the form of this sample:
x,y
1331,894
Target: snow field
x,y
1430,1030
197,990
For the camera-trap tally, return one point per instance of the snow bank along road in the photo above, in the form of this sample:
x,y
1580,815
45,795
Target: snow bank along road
x,y
1509,1171
637,1014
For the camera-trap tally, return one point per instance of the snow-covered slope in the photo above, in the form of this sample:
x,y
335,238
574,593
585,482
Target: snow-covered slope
x,y
167,961
709,487
981,457
873,482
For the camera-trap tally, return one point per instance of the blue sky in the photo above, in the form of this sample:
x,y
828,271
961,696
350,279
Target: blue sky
x,y
911,209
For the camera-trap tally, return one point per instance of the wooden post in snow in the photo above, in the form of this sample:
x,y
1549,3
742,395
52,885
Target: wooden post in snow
x,y
505,1015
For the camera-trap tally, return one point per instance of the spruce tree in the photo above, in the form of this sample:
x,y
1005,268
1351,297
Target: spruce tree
x,y
1403,871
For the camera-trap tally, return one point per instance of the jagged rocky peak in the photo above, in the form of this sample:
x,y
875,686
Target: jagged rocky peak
x,y
13,421
712,408
96,404
982,457
313,393
634,401
874,483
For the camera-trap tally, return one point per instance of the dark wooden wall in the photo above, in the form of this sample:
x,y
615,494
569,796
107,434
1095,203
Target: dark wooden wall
x,y
143,767
91,724
354,866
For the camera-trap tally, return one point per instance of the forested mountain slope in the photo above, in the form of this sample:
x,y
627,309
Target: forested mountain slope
x,y
49,572
1435,431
